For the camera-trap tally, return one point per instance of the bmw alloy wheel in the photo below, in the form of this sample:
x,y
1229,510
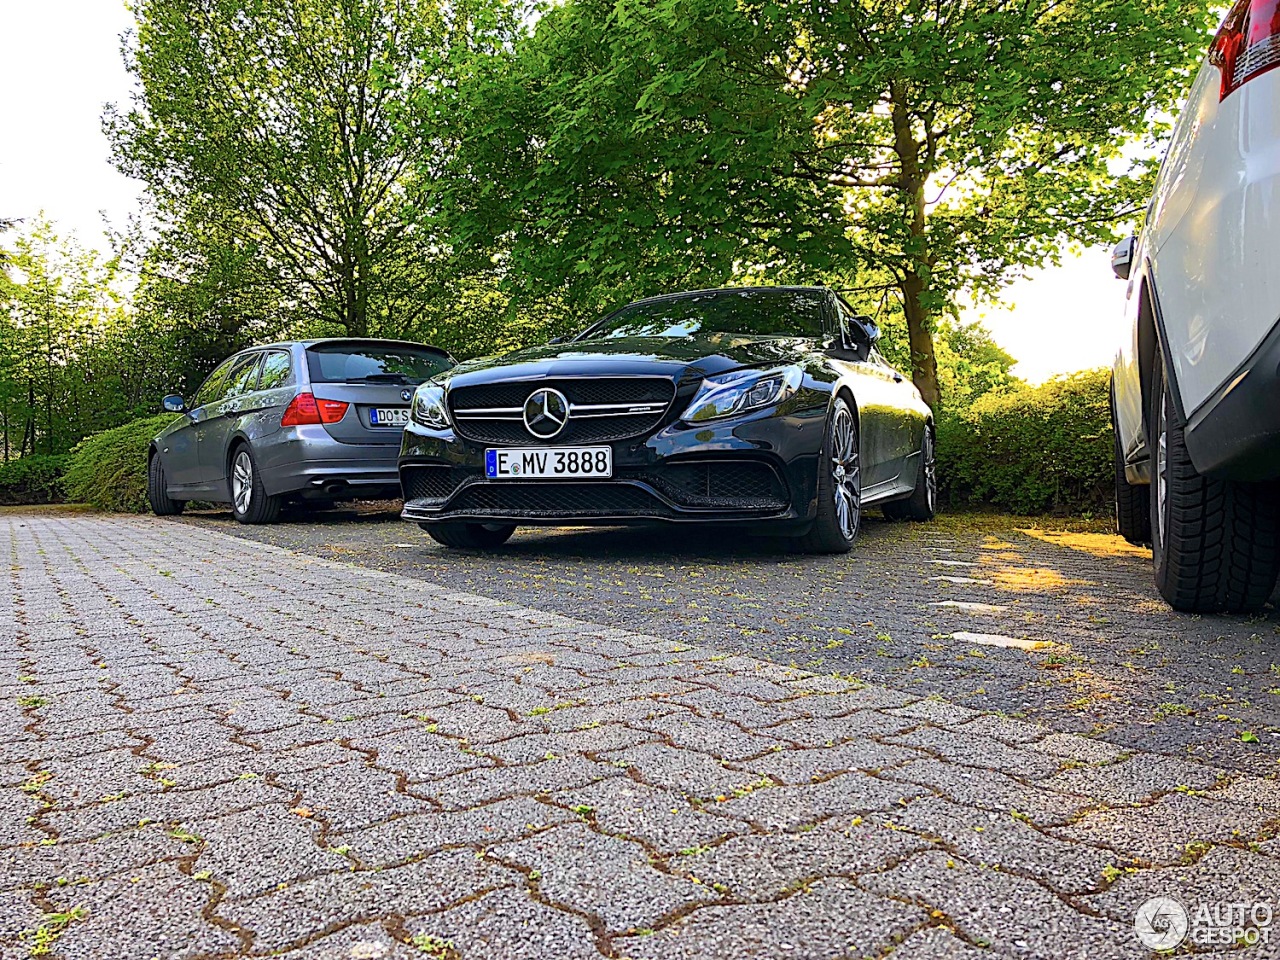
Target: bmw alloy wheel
x,y
846,481
242,482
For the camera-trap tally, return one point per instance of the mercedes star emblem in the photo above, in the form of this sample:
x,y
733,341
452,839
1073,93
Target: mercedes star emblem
x,y
546,412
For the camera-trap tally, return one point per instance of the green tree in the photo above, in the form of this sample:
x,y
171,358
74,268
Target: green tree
x,y
269,136
923,149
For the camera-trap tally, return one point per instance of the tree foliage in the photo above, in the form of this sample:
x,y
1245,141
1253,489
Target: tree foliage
x,y
270,135
925,149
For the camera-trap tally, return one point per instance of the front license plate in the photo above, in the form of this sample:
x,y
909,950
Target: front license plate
x,y
389,416
548,463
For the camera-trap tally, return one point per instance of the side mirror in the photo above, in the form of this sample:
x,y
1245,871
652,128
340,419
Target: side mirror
x,y
1122,257
174,404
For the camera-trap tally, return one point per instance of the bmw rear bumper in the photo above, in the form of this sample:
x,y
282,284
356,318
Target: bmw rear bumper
x,y
308,461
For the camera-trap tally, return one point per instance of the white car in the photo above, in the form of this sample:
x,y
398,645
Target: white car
x,y
1196,389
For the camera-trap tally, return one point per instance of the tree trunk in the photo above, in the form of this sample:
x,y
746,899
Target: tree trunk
x,y
914,284
924,363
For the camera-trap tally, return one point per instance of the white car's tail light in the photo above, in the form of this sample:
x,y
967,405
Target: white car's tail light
x,y
1247,44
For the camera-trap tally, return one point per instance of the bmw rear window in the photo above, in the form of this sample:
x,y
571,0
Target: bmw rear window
x,y
374,363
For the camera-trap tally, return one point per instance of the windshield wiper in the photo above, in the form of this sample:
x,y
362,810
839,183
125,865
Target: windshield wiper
x,y
383,378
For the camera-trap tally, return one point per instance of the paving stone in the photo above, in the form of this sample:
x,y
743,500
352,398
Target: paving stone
x,y
685,771
833,918
719,738
789,807
361,941
663,819
349,795
1223,875
979,751
416,835
509,923
283,918
128,850
156,912
1074,747
1134,780
420,755
1004,842
765,867
1002,728
1167,831
256,850
803,766
594,740
825,732
476,787
607,877
938,943
1261,795
1011,914
988,790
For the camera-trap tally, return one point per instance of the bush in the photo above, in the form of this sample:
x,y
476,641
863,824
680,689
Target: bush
x,y
1032,449
30,480
109,469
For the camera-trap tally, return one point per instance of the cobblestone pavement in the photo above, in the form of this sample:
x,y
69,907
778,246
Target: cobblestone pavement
x,y
215,748
899,610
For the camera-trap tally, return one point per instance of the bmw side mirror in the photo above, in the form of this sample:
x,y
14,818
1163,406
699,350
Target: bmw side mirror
x,y
174,404
1122,257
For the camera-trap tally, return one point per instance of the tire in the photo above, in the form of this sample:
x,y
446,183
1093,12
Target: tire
x,y
1133,500
470,536
162,505
839,486
922,505
250,503
1214,541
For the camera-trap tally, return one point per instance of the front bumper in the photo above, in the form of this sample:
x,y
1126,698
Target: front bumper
x,y
760,468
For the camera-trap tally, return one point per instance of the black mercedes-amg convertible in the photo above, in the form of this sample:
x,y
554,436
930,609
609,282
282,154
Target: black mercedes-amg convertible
x,y
764,407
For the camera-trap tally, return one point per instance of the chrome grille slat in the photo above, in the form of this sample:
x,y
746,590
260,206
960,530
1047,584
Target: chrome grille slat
x,y
601,409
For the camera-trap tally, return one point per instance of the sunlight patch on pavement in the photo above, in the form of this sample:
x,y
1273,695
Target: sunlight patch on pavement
x,y
961,580
999,640
1094,544
1032,579
969,607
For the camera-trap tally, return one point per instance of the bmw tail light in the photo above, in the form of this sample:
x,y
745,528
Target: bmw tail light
x,y
306,409
1247,44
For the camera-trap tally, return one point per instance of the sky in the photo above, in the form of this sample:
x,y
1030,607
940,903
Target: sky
x,y
60,63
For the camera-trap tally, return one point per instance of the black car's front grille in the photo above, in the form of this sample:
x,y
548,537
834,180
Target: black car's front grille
x,y
556,499
601,409
428,482
740,484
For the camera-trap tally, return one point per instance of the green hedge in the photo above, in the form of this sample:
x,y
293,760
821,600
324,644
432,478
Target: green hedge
x,y
109,470
31,480
1032,449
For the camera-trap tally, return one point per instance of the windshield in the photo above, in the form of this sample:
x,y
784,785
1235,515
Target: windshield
x,y
764,311
374,363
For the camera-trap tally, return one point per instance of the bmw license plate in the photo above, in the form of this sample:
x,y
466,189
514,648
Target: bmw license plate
x,y
548,463
389,416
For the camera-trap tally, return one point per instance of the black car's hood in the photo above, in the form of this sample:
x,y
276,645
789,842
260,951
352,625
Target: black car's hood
x,y
701,355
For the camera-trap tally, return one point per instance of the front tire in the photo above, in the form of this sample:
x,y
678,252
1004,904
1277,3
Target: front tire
x,y
839,485
250,503
1214,541
1133,500
470,536
162,505
922,505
